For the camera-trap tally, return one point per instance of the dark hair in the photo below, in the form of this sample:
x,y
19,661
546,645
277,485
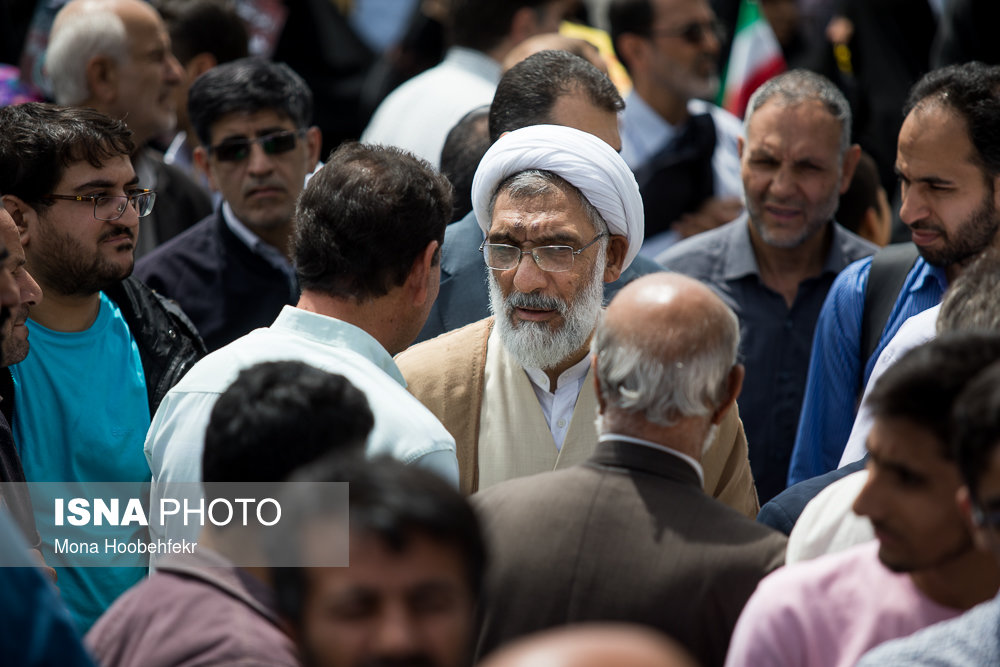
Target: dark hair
x,y
634,17
975,424
973,91
971,303
861,194
528,91
923,385
464,147
247,85
39,141
364,218
204,26
278,416
389,500
483,24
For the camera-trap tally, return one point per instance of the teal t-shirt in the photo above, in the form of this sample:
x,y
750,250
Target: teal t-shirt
x,y
81,413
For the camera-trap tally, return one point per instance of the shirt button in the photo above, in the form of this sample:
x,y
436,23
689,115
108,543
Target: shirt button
x,y
561,423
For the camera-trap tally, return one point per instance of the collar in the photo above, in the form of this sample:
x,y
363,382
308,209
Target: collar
x,y
474,61
256,244
576,372
739,259
331,332
618,437
926,273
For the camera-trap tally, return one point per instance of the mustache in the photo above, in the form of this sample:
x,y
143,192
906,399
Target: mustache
x,y
922,225
534,302
118,230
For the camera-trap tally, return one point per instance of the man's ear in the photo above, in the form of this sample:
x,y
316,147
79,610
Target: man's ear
x,y
201,161
601,402
851,158
102,79
631,49
198,65
964,501
418,283
523,25
996,191
314,142
24,216
617,249
734,383
741,145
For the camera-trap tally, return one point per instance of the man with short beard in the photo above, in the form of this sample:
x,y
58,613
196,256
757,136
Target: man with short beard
x,y
562,215
774,266
948,163
105,347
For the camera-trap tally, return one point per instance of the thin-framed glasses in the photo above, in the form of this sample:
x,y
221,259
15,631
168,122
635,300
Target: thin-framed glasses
x,y
553,258
237,149
113,207
693,33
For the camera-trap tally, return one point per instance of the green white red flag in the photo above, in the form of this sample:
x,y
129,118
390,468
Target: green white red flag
x,y
754,58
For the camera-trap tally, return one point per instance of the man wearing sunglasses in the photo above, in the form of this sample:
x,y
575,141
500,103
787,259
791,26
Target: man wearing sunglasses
x,y
923,567
562,216
231,272
105,348
971,639
682,149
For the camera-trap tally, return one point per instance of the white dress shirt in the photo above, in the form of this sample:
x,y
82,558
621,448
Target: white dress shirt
x,y
558,406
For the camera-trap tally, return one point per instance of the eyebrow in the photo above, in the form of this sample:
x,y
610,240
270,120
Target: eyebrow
x,y
551,239
930,180
103,183
263,132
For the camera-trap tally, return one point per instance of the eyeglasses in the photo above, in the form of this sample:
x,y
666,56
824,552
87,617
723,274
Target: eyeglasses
x,y
238,149
112,208
553,258
694,33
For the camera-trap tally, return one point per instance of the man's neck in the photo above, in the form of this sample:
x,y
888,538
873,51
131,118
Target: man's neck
x,y
60,312
686,435
962,582
374,316
784,269
567,363
671,108
279,237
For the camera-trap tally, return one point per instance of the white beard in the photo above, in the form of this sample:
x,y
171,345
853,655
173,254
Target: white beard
x,y
533,344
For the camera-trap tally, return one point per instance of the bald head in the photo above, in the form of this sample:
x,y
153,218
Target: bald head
x,y
593,646
666,350
553,41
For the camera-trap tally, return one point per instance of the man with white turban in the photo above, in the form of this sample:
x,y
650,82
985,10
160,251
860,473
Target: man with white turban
x,y
562,215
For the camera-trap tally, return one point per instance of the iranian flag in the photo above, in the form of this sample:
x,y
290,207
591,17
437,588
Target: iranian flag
x,y
754,58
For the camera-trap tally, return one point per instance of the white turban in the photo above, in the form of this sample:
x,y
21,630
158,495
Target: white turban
x,y
583,160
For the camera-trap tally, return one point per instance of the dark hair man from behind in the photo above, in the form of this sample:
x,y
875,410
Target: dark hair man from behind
x,y
360,247
209,605
277,417
464,147
417,562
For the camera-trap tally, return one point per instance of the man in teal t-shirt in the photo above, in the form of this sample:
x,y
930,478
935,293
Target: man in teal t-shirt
x,y
104,348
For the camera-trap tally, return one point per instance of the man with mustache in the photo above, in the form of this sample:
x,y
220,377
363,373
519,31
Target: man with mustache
x,y
105,347
775,265
231,272
562,215
948,162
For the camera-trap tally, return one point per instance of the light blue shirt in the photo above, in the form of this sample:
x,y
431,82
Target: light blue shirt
x,y
404,428
80,414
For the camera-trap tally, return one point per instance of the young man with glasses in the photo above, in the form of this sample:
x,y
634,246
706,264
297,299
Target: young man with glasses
x,y
562,216
682,148
231,272
105,348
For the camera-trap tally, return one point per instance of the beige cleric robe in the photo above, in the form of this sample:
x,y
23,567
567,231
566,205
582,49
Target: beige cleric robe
x,y
447,375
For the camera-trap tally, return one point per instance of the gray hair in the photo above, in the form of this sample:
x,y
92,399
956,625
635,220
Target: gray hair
x,y
96,31
533,183
970,303
689,380
798,86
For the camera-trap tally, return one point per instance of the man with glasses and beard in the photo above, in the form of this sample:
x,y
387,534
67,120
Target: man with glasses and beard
x,y
105,347
231,272
948,162
562,215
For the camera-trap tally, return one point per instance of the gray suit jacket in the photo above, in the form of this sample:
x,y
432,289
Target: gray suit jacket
x,y
627,536
463,297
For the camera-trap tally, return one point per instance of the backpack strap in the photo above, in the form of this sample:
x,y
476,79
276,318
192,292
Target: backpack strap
x,y
889,269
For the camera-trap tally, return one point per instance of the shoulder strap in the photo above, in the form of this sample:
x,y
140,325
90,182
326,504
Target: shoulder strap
x,y
889,269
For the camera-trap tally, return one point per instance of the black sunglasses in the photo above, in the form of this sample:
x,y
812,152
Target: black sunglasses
x,y
693,33
238,149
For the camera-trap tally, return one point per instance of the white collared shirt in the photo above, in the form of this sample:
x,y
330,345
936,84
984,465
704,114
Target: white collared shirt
x,y
647,443
558,407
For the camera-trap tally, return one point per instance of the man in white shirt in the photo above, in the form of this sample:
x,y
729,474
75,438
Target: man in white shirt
x,y
683,149
418,115
366,249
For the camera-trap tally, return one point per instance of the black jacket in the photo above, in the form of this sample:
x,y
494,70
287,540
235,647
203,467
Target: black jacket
x,y
168,343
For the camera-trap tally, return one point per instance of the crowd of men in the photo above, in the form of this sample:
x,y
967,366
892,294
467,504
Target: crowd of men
x,y
643,400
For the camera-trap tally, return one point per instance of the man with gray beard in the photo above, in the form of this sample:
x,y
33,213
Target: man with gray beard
x,y
562,215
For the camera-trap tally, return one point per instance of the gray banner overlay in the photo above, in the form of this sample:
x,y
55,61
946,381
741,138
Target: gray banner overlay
x,y
120,524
